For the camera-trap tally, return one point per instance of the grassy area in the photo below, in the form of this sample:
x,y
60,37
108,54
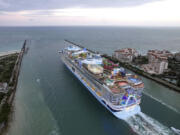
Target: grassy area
x,y
5,110
7,64
6,67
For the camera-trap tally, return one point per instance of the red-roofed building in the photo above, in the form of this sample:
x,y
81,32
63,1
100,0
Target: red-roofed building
x,y
158,61
126,54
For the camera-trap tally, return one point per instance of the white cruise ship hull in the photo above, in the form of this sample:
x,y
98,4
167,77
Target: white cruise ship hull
x,y
123,114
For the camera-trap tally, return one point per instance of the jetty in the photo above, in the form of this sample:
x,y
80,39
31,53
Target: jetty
x,y
78,45
7,101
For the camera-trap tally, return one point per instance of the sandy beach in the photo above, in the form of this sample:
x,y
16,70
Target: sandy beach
x,y
9,52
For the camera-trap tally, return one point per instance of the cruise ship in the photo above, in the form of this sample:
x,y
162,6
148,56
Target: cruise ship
x,y
118,91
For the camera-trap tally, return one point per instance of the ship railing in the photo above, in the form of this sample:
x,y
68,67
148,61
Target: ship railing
x,y
121,107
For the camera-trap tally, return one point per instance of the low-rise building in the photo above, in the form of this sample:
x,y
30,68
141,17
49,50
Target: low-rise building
x,y
126,54
153,55
158,61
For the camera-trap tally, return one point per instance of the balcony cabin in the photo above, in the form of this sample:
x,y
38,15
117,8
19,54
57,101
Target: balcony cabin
x,y
121,89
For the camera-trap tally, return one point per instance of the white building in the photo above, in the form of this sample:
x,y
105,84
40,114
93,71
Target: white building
x,y
126,54
158,61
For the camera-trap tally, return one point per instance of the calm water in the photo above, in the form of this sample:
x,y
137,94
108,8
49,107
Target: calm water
x,y
51,101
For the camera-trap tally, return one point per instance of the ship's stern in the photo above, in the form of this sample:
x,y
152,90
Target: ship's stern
x,y
128,112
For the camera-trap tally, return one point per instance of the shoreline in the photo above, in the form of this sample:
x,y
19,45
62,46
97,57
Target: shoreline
x,y
138,71
10,95
9,53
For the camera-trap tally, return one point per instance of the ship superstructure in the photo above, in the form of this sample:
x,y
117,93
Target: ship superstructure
x,y
118,91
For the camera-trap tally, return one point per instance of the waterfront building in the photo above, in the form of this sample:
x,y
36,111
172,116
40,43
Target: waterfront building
x,y
158,61
126,54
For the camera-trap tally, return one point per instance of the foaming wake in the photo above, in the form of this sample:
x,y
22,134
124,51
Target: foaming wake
x,y
145,125
54,132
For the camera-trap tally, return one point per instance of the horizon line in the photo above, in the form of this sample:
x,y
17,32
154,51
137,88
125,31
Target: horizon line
x,y
138,26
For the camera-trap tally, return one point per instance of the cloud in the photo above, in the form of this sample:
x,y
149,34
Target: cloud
x,y
3,4
33,13
159,13
20,5
31,19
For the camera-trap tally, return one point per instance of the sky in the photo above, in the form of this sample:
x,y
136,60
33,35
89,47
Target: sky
x,y
90,12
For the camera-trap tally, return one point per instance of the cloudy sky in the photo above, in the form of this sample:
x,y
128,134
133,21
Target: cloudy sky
x,y
90,12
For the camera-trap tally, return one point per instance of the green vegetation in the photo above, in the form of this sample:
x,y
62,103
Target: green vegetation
x,y
1,96
178,80
7,64
174,66
173,73
6,67
140,60
5,110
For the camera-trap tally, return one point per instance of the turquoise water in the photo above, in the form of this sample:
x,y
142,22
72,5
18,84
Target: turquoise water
x,y
51,101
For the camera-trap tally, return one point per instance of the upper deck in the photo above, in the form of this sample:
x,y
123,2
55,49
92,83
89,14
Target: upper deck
x,y
105,71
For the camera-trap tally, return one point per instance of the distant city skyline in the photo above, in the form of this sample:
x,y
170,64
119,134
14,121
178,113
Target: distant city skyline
x,y
90,13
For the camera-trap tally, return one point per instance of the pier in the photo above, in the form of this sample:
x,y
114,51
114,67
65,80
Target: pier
x,y
16,71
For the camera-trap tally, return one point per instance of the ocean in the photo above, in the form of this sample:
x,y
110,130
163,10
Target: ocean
x,y
51,101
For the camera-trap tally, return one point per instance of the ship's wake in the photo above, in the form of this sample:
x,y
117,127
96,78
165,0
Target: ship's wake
x,y
165,104
145,125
